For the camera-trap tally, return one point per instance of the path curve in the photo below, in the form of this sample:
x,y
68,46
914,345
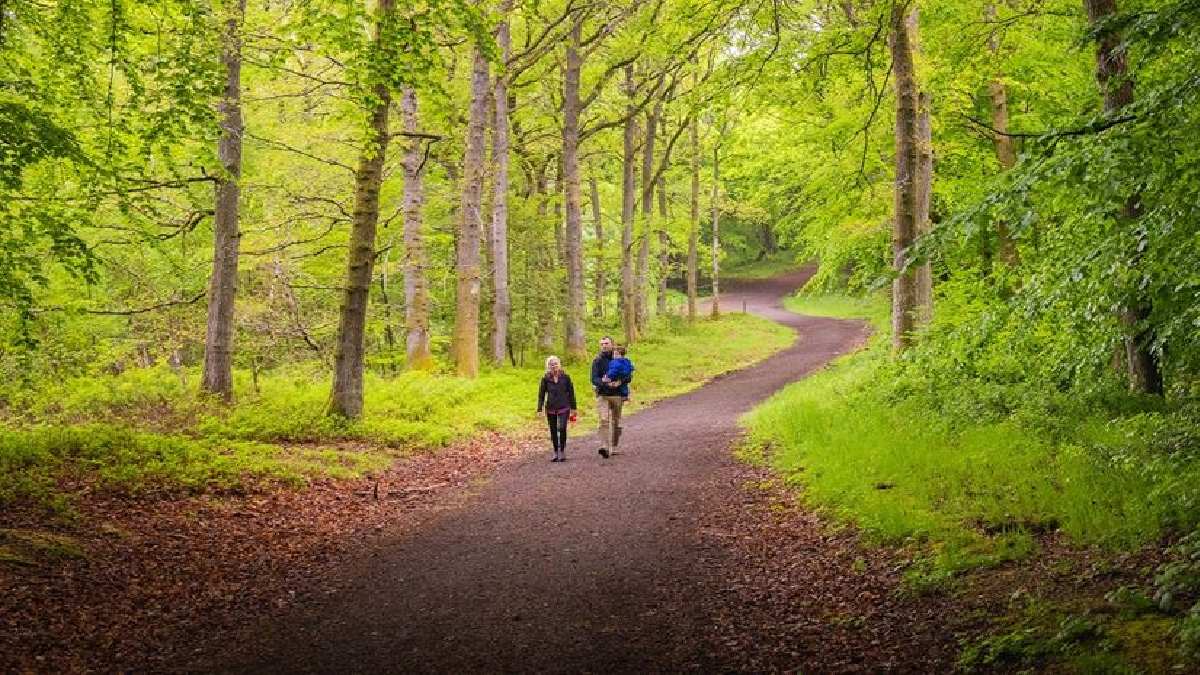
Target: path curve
x,y
585,566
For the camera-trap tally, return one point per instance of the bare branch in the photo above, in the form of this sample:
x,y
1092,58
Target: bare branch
x,y
284,146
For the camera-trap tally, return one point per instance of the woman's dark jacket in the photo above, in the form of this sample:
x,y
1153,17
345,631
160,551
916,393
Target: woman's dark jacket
x,y
554,396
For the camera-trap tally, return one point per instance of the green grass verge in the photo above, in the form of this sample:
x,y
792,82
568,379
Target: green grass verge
x,y
970,493
960,491
149,429
35,461
770,266
873,308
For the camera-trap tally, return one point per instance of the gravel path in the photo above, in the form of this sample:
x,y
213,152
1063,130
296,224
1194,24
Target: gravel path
x,y
585,566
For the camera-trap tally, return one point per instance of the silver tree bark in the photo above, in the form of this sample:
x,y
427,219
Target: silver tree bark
x,y
466,316
694,228
547,258
416,285
222,289
601,285
904,227
628,201
576,348
716,232
664,248
502,304
642,299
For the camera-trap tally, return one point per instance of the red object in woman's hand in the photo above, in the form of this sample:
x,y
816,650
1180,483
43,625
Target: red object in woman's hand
x,y
574,417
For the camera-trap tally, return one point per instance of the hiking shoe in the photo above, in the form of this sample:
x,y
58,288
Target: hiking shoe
x,y
604,453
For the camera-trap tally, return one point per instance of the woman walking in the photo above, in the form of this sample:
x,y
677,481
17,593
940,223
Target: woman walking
x,y
556,395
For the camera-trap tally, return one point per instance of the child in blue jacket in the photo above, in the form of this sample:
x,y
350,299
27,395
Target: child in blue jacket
x,y
620,372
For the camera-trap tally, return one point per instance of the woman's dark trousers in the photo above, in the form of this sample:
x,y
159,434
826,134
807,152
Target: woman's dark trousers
x,y
558,431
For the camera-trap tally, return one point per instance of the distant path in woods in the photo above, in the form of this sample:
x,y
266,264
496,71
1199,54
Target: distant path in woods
x,y
589,565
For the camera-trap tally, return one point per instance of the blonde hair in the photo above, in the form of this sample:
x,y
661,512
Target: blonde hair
x,y
551,360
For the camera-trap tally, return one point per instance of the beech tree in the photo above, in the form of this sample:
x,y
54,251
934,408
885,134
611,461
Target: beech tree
x,y
694,220
416,285
502,306
601,281
1117,89
628,209
641,296
467,262
716,229
904,228
222,289
664,241
576,347
346,398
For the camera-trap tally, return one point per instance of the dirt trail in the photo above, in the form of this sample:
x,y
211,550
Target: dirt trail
x,y
589,565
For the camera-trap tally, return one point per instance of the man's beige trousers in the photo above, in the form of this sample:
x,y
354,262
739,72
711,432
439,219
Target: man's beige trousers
x,y
608,409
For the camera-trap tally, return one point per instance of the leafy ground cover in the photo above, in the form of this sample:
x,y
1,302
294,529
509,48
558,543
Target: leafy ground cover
x,y
966,493
148,429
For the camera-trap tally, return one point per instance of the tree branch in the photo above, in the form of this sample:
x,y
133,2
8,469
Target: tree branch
x,y
1095,127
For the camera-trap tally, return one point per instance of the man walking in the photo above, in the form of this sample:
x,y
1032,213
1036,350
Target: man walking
x,y
608,399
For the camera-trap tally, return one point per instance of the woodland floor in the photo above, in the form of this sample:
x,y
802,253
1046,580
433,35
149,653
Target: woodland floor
x,y
672,555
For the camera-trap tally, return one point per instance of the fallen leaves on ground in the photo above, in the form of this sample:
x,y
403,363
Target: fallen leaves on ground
x,y
160,578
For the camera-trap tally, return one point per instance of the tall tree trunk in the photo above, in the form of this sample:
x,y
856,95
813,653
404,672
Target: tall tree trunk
x,y
1005,153
576,349
556,197
547,258
601,266
466,317
694,227
385,297
502,306
628,200
924,195
770,247
1111,74
222,289
904,229
346,399
716,231
642,298
664,246
419,355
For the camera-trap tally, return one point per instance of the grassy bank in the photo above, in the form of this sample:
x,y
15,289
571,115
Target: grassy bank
x,y
148,428
769,266
962,492
904,471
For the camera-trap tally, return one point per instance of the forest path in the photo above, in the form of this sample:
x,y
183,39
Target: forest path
x,y
586,566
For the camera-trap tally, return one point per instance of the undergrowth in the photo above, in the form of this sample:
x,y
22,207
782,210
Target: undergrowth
x,y
968,470
903,469
150,427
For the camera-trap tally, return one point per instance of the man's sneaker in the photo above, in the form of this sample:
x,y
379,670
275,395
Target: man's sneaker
x,y
604,453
